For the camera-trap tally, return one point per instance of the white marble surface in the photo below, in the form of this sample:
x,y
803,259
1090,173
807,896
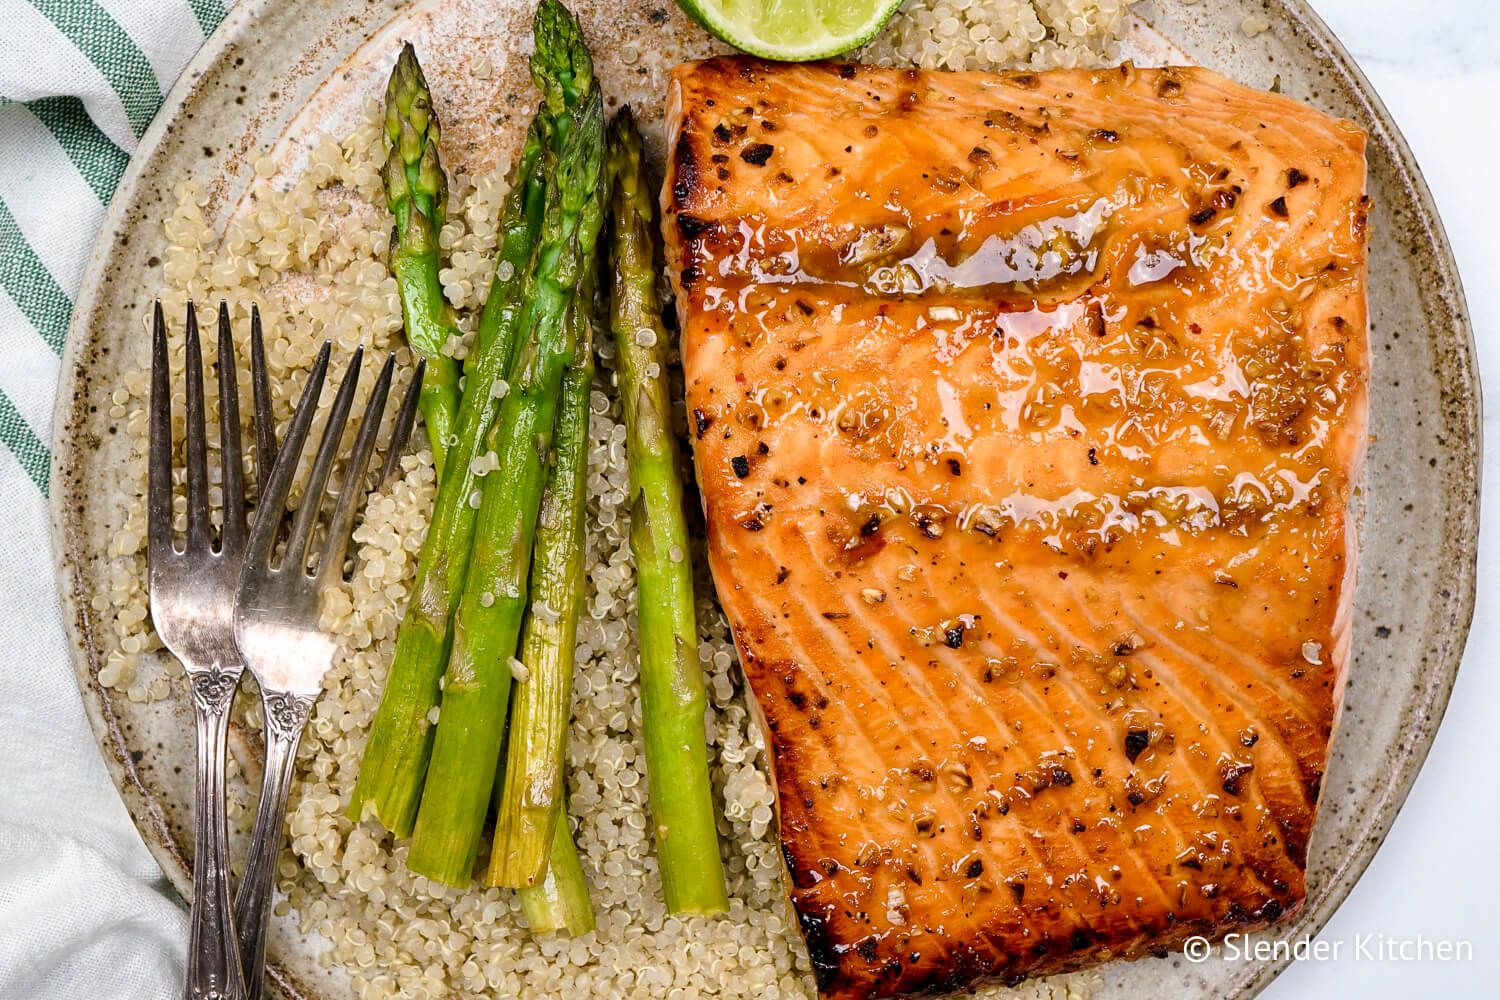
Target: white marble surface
x,y
1436,64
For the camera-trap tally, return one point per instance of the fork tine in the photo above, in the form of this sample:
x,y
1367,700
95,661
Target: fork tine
x,y
159,481
401,431
197,445
265,423
317,479
273,495
351,494
233,537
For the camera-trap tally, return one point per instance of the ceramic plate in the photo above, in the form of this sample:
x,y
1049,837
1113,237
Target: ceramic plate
x,y
278,72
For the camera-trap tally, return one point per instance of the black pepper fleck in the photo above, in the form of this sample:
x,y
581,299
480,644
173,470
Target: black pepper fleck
x,y
757,154
691,225
1233,774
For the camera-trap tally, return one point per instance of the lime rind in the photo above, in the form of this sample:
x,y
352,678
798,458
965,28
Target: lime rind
x,y
769,29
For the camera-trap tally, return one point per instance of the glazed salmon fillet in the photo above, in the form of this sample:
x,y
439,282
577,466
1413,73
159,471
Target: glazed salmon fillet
x,y
1027,411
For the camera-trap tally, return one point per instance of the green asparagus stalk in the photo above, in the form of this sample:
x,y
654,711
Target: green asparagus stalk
x,y
476,689
531,797
560,902
520,224
672,694
395,758
417,191
400,742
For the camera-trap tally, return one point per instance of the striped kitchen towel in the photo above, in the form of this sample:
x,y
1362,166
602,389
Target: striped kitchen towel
x,y
84,910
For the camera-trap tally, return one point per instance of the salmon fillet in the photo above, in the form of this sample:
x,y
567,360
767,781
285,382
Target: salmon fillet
x,y
1027,411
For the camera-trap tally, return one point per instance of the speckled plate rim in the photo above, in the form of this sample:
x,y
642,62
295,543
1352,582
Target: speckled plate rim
x,y
1319,909
1462,512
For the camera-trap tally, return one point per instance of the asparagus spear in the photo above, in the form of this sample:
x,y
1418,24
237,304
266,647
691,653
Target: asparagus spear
x,y
561,68
532,789
672,695
471,727
560,902
541,705
400,742
395,758
417,191
520,223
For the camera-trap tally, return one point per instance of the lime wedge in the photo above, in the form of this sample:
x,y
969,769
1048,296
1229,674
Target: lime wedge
x,y
793,30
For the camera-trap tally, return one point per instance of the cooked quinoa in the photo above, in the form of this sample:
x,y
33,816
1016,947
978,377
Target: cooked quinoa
x,y
1001,34
312,254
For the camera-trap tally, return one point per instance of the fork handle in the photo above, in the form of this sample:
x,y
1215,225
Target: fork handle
x,y
286,716
213,961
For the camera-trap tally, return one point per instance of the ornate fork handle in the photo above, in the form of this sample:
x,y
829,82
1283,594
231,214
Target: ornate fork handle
x,y
286,717
213,961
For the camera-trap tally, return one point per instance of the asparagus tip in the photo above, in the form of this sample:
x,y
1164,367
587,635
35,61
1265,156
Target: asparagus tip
x,y
580,163
408,84
412,138
560,66
624,134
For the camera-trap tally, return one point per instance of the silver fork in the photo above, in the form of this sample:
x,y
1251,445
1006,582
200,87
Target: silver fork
x,y
277,609
192,609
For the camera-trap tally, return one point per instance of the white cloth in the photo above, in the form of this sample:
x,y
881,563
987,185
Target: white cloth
x,y
84,908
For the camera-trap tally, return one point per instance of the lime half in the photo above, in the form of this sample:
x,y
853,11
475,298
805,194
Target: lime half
x,y
793,30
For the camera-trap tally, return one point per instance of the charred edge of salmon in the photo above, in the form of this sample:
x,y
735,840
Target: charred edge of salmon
x,y
686,177
815,934
964,968
1296,830
685,189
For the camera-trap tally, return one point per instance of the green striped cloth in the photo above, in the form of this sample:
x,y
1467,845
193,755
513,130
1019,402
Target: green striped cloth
x,y
83,907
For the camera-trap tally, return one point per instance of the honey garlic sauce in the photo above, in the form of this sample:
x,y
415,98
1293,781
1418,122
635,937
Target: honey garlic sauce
x,y
1026,410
